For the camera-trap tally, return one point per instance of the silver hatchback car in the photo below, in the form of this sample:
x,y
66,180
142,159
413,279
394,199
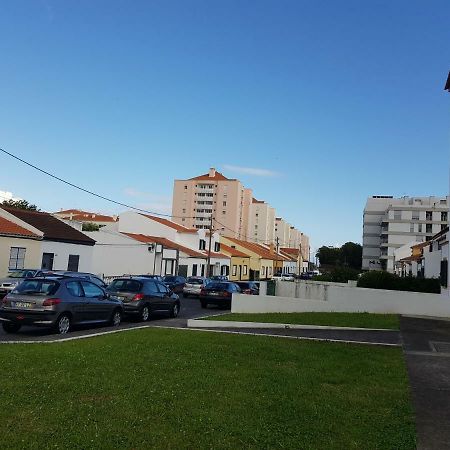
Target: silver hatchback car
x,y
59,303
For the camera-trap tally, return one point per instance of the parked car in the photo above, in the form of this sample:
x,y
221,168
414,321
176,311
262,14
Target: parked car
x,y
175,283
14,278
66,273
219,278
58,302
248,287
142,296
284,277
194,286
153,277
218,293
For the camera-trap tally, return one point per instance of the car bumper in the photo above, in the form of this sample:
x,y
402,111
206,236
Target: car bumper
x,y
191,291
216,300
43,318
131,309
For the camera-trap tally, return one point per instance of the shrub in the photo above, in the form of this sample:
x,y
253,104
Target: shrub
x,y
384,280
338,275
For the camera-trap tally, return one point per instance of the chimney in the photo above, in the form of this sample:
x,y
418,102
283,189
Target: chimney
x,y
212,172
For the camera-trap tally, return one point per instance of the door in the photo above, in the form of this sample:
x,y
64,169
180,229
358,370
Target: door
x,y
152,295
47,261
97,308
73,263
182,270
78,300
165,301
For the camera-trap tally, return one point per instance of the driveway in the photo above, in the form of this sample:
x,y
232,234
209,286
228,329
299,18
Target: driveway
x,y
426,344
190,309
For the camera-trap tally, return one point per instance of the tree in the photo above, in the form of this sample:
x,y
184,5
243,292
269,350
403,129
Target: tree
x,y
89,226
351,255
20,204
328,256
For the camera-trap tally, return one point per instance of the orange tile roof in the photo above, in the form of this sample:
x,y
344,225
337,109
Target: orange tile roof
x,y
11,229
217,255
84,216
255,248
411,258
421,245
217,176
166,243
290,251
233,251
169,223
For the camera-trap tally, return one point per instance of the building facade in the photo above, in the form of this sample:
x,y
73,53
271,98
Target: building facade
x,y
226,200
261,224
390,223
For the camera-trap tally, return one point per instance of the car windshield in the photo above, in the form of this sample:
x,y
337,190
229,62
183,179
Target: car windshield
x,y
125,286
42,287
194,280
221,286
18,274
170,279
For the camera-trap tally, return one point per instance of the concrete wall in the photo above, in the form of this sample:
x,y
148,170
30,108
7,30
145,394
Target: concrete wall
x,y
329,297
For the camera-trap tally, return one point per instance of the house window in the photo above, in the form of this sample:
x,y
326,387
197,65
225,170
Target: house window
x,y
72,265
415,215
270,270
420,228
245,270
429,215
397,215
16,258
202,244
263,270
443,226
444,216
217,246
47,261
411,227
224,203
234,270
194,270
185,186
428,228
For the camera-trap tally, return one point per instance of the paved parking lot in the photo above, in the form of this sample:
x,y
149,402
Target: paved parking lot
x,y
190,308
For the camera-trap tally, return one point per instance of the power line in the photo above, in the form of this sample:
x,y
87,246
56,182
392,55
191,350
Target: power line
x,y
88,191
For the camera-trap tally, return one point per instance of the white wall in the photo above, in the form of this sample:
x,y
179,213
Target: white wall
x,y
323,297
121,255
61,252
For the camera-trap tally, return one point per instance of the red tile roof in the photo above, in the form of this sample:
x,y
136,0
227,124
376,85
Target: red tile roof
x,y
290,251
233,251
54,229
166,243
84,216
169,223
11,229
217,176
255,248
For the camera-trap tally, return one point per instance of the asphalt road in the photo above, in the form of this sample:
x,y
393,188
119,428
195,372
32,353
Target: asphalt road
x,y
190,309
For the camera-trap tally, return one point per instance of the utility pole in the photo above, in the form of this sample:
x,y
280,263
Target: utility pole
x,y
208,260
277,240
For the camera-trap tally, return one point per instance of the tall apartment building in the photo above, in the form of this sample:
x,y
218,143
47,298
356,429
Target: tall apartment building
x,y
390,223
282,231
227,200
261,224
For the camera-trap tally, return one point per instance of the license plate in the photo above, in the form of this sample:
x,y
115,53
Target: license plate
x,y
21,304
214,293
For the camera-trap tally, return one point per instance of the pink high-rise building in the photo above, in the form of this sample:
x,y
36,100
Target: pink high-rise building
x,y
228,202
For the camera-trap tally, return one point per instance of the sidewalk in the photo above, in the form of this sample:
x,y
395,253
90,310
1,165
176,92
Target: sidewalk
x,y
426,344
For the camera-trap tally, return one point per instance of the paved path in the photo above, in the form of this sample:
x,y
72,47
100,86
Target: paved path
x,y
426,344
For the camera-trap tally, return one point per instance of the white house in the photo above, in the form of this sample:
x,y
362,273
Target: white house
x,y
42,241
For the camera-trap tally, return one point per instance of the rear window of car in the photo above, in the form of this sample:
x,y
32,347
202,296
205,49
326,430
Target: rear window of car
x,y
221,286
194,281
125,286
38,287
244,285
170,279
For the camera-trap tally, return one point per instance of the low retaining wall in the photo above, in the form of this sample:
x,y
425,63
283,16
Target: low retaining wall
x,y
334,298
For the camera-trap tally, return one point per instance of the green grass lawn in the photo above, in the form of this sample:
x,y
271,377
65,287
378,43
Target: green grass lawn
x,y
357,320
177,389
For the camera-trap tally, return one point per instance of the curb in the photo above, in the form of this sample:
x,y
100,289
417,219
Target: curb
x,y
199,323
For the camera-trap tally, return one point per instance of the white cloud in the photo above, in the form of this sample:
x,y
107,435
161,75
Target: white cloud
x,y
251,171
5,195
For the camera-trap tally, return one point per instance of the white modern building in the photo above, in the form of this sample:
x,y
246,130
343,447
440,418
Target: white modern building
x,y
390,223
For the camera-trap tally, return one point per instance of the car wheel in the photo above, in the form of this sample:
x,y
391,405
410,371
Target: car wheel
x,y
116,318
63,324
175,310
204,304
145,313
11,327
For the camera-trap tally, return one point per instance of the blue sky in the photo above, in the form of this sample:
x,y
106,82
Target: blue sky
x,y
331,102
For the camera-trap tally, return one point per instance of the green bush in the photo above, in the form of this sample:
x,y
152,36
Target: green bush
x,y
338,275
384,280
